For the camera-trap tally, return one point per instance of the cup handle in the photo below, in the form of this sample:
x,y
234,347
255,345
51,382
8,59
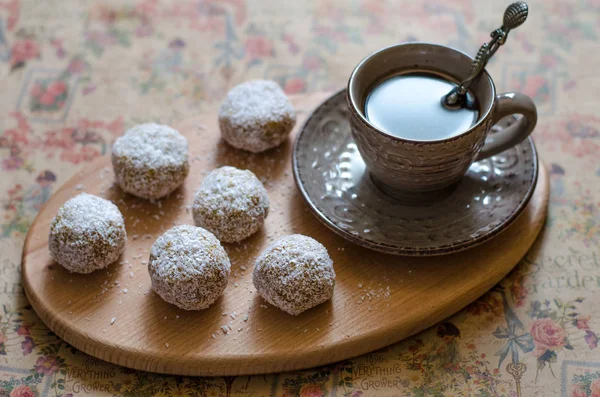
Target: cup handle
x,y
507,104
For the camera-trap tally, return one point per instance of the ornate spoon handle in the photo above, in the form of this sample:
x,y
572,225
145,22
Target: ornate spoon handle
x,y
514,16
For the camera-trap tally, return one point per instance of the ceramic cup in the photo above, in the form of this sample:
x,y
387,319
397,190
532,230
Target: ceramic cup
x,y
426,170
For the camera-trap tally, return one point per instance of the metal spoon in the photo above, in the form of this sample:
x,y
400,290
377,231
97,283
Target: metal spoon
x,y
514,16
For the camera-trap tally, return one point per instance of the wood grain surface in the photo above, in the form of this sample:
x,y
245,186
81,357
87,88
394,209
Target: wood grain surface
x,y
379,299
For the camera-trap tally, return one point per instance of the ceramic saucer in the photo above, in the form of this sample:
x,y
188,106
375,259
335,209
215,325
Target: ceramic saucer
x,y
331,176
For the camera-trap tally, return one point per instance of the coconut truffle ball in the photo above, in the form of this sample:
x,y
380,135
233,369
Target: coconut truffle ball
x,y
188,267
87,234
231,203
150,160
294,274
256,116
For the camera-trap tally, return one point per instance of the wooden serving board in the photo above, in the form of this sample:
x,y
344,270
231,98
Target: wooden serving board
x,y
379,299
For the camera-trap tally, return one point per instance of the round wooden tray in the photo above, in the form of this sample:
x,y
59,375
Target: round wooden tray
x,y
379,299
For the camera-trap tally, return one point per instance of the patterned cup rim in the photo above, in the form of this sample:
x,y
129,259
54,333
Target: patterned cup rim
x,y
352,102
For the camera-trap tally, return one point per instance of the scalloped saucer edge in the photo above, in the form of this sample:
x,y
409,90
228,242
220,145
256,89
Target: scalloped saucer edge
x,y
332,179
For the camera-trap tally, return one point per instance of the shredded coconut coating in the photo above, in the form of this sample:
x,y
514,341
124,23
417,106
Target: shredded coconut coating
x,y
231,203
256,116
150,160
294,274
188,267
87,234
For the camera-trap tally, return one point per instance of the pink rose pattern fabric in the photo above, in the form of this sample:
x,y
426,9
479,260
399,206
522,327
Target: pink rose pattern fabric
x,y
22,391
547,335
75,74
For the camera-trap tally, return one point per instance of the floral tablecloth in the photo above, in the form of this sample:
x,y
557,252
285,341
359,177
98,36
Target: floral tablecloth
x,y
75,74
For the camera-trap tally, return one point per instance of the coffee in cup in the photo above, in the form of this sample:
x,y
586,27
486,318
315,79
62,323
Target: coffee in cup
x,y
407,105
